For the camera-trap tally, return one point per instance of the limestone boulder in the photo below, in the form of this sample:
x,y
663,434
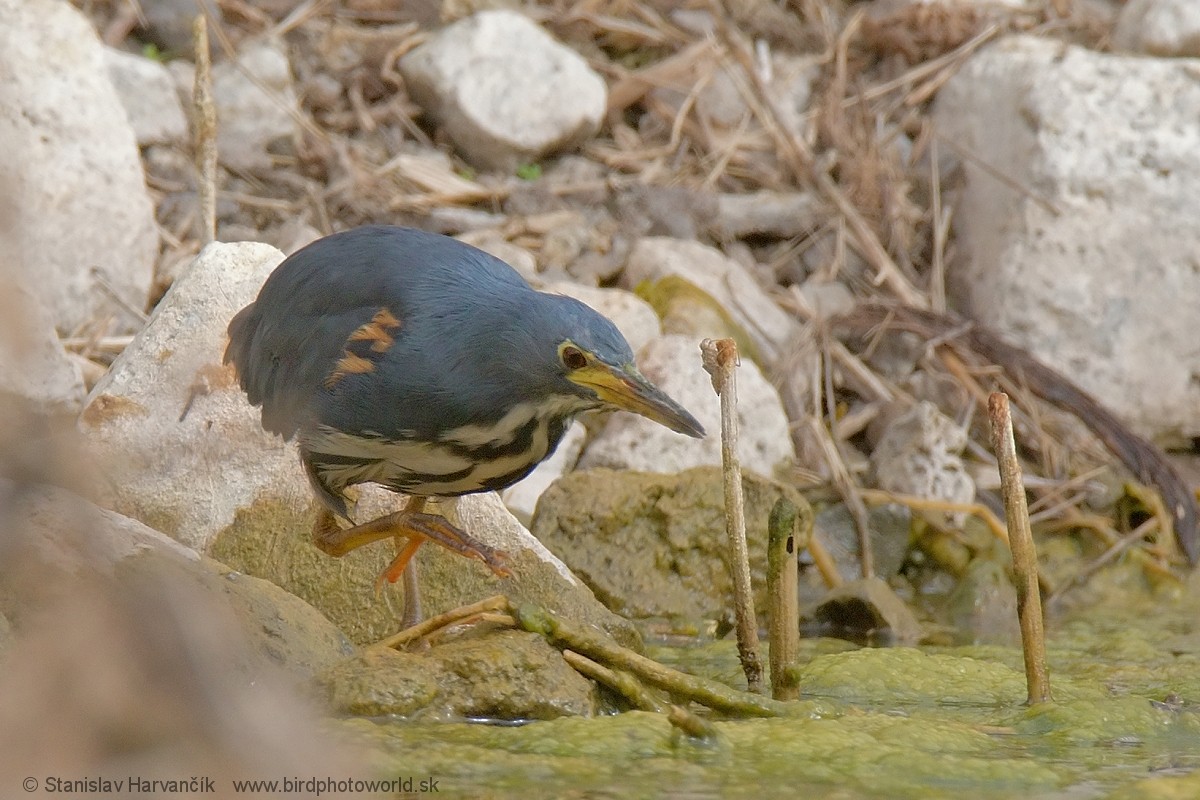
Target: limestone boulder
x,y
82,236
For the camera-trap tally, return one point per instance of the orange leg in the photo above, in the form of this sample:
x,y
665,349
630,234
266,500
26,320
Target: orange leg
x,y
410,527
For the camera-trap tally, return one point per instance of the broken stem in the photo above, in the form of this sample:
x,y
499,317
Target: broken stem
x,y
204,129
785,539
720,357
597,646
495,603
621,682
1020,539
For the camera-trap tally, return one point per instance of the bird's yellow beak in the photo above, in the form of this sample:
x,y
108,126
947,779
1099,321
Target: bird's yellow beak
x,y
626,388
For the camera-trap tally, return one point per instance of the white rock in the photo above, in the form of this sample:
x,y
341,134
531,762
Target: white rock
x,y
918,454
83,228
1103,285
725,280
147,92
504,90
672,362
632,315
253,113
188,477
521,498
33,364
1159,28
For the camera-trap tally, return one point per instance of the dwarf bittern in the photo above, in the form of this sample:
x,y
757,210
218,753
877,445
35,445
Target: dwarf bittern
x,y
414,361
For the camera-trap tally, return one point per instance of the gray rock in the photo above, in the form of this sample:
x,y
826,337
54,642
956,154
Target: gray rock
x,y
780,214
213,479
504,90
1083,254
673,363
919,454
655,258
1159,28
83,236
255,101
147,92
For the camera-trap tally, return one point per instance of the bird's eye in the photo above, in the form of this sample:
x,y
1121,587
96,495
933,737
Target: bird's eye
x,y
573,358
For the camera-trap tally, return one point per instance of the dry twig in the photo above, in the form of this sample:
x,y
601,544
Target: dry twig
x,y
720,361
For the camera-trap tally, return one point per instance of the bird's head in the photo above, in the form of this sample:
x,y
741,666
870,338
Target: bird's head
x,y
581,355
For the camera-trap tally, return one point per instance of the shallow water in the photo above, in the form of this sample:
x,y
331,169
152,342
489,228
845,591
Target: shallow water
x,y
946,722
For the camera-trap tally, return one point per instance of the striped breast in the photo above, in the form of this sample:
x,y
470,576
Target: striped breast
x,y
470,458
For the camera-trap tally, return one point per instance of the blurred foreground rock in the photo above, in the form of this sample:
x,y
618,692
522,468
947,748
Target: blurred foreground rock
x,y
34,367
184,452
131,654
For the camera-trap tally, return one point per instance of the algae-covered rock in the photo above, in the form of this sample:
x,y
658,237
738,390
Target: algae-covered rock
x,y
271,539
655,545
510,675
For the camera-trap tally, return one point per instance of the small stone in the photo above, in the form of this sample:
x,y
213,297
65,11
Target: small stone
x,y
864,610
504,90
1169,28
253,113
147,92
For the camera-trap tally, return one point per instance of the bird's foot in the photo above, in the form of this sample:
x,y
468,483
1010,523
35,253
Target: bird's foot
x,y
418,527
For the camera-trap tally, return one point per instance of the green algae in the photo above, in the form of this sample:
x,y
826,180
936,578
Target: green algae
x,y
930,722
